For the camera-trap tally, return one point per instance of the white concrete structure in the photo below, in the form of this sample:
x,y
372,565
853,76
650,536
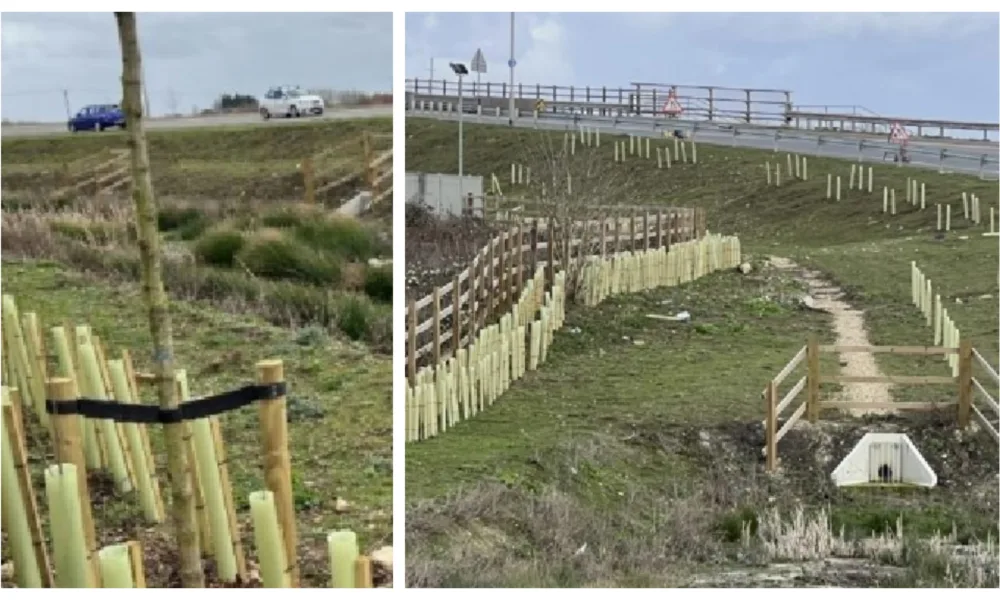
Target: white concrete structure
x,y
884,458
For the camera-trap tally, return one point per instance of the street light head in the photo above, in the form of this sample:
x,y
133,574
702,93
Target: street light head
x,y
459,69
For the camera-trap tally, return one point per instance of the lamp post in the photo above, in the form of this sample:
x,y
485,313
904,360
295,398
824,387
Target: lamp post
x,y
511,63
461,71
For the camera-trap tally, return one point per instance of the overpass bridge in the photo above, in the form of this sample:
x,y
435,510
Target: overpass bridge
x,y
710,104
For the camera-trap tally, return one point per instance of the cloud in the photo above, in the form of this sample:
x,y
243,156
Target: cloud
x,y
541,45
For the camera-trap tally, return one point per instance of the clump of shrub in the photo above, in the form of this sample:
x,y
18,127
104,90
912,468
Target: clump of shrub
x,y
273,255
342,236
378,284
219,247
189,223
355,317
282,218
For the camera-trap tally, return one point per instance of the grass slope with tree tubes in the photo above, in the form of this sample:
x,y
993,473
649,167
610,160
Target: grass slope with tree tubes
x,y
633,457
251,273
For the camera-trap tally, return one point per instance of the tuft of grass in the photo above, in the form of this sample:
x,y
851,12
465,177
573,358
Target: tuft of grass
x,y
340,236
219,247
276,256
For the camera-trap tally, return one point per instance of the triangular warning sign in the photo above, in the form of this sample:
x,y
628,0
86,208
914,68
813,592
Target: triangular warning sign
x,y
672,106
884,459
478,62
897,134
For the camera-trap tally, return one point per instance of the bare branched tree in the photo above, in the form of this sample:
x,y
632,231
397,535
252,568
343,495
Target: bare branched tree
x,y
572,179
155,297
574,183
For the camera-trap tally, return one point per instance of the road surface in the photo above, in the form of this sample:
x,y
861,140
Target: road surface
x,y
16,130
959,156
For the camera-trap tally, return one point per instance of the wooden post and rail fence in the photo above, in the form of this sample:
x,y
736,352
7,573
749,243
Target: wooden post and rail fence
x,y
105,172
969,388
497,274
363,159
496,318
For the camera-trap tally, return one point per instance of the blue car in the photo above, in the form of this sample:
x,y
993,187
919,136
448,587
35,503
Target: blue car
x,y
98,117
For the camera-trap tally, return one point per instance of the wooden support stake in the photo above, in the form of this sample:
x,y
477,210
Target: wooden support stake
x,y
363,572
964,382
69,450
277,463
227,498
18,448
136,562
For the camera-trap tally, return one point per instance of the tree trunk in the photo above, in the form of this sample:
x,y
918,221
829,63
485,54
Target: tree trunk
x,y
156,302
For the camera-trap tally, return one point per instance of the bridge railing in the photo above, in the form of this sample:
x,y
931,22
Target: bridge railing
x,y
970,159
706,103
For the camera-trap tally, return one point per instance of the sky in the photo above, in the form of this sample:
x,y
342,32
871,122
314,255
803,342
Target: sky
x,y
917,65
190,59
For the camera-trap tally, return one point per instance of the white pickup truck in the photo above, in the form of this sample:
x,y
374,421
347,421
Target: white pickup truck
x,y
289,102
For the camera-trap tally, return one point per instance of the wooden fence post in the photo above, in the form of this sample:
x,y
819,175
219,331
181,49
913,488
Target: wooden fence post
x,y
489,274
645,231
618,233
534,246
812,379
69,450
437,325
411,343
771,427
484,289
659,229
567,231
551,247
273,416
503,278
964,382
309,180
631,231
519,259
456,311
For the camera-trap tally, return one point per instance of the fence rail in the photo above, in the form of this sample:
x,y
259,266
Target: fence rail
x,y
101,173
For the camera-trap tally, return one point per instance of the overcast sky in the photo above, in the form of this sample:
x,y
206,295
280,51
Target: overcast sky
x,y
932,65
190,59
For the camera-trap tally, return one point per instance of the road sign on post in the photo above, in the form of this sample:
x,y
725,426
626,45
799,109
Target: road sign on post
x,y
478,64
898,135
672,107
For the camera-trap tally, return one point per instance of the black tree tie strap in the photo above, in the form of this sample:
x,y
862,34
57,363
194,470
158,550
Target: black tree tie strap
x,y
200,408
